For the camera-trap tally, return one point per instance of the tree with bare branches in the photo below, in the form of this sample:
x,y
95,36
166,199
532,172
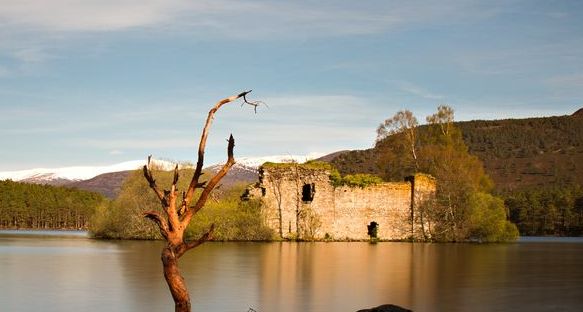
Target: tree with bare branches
x,y
177,215
402,122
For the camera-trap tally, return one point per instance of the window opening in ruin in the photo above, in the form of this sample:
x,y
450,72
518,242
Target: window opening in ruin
x,y
308,191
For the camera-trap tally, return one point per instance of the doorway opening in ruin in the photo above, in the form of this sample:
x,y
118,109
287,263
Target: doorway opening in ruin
x,y
308,191
373,229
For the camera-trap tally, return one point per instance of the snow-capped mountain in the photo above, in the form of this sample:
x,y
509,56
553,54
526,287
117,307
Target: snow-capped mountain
x,y
57,176
65,175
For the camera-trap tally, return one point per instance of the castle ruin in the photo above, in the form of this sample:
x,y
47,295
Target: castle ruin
x,y
299,201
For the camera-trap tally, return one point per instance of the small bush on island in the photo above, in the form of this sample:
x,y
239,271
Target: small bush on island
x,y
123,218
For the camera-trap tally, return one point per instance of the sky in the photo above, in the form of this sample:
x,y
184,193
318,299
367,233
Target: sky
x,y
97,82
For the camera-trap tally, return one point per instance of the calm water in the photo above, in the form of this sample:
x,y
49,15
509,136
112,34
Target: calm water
x,y
74,273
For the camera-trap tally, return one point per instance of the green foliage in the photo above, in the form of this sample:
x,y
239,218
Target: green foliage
x,y
25,205
354,180
123,218
234,220
487,219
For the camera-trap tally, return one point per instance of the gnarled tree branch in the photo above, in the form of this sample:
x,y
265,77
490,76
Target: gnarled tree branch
x,y
194,183
159,220
152,182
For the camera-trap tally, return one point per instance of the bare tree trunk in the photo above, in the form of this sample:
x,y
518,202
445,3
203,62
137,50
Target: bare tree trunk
x,y
175,281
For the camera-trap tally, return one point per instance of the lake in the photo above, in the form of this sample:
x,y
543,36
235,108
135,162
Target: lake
x,y
55,271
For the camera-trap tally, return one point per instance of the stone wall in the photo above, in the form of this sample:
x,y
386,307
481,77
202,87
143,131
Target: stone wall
x,y
301,202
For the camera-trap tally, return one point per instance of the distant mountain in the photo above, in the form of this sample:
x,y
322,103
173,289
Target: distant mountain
x,y
107,180
61,176
517,153
107,184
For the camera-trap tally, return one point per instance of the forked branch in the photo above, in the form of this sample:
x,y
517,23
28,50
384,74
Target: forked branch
x,y
194,183
252,103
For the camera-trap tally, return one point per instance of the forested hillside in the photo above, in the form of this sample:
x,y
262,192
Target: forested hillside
x,y
522,153
536,165
34,206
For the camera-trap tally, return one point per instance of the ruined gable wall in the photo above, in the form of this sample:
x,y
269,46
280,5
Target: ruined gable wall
x,y
283,190
388,204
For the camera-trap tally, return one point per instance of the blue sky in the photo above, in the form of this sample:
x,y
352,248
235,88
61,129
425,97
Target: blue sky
x,y
97,82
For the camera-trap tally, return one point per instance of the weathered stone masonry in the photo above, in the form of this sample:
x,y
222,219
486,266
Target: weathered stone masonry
x,y
301,202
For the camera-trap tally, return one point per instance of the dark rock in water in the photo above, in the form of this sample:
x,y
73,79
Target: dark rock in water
x,y
386,308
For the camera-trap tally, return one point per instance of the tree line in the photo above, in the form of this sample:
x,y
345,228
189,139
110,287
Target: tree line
x,y
33,206
556,210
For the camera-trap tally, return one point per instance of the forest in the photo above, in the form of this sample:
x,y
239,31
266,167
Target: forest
x,y
35,206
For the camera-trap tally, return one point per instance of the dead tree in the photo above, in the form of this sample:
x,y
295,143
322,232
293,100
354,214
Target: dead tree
x,y
177,215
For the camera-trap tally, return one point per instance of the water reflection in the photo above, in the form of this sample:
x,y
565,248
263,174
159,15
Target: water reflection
x,y
67,274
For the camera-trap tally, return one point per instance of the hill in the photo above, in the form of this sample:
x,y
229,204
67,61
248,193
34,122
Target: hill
x,y
525,153
107,184
517,153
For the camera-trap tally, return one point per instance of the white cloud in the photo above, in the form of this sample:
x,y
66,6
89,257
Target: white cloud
x,y
83,15
33,31
234,18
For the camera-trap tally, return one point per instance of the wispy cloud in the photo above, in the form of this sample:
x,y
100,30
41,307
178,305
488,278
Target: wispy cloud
x,y
84,15
133,143
419,91
258,17
523,59
28,25
566,81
